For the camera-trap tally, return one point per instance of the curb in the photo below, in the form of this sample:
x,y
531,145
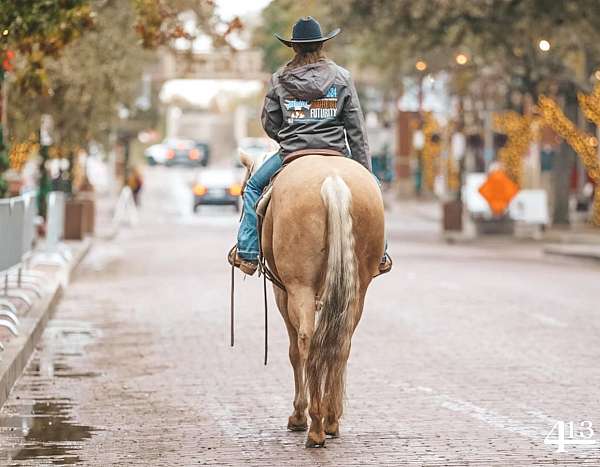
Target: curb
x,y
15,357
579,252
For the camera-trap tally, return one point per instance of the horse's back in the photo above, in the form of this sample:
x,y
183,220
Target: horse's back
x,y
295,234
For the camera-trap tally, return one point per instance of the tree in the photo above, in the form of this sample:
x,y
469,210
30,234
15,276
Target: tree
x,y
36,30
530,46
81,79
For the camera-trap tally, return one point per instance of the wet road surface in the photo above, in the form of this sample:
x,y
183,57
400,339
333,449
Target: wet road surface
x,y
466,355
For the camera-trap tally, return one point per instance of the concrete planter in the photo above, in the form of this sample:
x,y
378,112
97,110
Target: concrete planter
x,y
453,212
89,206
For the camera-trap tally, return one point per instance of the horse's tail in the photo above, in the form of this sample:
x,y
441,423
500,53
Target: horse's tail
x,y
330,344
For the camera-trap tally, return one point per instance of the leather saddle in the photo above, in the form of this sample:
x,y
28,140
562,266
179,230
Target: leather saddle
x,y
263,202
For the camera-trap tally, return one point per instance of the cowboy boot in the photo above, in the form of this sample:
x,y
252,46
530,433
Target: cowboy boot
x,y
385,265
247,267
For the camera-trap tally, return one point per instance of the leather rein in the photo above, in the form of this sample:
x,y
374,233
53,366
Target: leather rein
x,y
263,267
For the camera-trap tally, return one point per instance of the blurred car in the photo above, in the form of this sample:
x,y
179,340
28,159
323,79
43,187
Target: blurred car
x,y
204,149
220,187
182,152
156,154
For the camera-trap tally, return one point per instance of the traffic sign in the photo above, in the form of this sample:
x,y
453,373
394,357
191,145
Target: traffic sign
x,y
498,190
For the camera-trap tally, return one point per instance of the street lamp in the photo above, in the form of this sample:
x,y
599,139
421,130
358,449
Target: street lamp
x,y
421,66
462,59
544,45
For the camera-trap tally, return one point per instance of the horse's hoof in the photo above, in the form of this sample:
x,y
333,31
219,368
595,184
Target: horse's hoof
x,y
293,427
332,429
313,443
297,423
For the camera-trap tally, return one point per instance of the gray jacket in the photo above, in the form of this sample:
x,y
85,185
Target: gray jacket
x,y
309,107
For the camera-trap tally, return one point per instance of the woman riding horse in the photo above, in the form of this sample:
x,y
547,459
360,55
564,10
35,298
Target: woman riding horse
x,y
323,230
311,104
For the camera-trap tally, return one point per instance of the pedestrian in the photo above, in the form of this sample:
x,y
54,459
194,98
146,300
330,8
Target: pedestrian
x,y
135,183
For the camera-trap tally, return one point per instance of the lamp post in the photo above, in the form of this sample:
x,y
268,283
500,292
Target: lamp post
x,y
45,185
5,66
421,67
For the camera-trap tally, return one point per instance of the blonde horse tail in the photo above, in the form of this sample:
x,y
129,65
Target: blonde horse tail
x,y
330,344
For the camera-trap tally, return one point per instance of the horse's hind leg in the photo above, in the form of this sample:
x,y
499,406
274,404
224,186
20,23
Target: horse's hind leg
x,y
301,311
334,384
296,421
333,404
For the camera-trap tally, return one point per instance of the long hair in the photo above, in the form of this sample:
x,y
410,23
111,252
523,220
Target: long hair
x,y
306,54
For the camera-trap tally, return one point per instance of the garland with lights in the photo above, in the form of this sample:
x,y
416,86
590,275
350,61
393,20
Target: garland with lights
x,y
520,132
431,149
583,144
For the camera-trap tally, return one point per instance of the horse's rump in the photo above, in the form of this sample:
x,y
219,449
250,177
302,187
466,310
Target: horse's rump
x,y
295,225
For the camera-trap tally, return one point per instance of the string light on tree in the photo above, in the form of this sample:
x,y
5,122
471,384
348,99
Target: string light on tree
x,y
590,104
431,149
20,153
453,175
520,133
462,59
581,142
544,45
421,65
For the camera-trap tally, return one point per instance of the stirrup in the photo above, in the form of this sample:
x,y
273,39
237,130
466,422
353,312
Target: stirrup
x,y
247,267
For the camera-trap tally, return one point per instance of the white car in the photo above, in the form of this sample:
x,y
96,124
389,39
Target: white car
x,y
156,154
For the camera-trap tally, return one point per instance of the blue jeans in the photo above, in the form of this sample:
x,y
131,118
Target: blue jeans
x,y
247,242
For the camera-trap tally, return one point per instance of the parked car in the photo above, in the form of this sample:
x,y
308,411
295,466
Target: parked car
x,y
156,154
182,152
220,187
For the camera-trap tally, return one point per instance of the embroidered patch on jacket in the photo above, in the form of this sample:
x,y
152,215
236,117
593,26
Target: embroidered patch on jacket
x,y
312,111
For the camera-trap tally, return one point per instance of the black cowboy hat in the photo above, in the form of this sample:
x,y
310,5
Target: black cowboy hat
x,y
307,30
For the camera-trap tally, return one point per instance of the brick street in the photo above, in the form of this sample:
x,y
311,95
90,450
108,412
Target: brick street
x,y
466,355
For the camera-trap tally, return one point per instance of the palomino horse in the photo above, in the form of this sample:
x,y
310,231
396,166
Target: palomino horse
x,y
323,236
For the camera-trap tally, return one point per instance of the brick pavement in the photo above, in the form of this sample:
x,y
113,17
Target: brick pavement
x,y
466,355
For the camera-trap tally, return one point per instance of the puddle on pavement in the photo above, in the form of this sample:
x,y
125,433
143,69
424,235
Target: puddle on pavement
x,y
47,431
35,424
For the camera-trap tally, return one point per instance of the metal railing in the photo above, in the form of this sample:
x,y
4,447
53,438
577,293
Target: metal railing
x,y
19,284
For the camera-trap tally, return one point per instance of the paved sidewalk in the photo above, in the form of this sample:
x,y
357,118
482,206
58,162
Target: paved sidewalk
x,y
32,321
466,355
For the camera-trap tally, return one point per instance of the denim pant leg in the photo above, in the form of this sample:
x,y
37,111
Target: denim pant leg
x,y
248,233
